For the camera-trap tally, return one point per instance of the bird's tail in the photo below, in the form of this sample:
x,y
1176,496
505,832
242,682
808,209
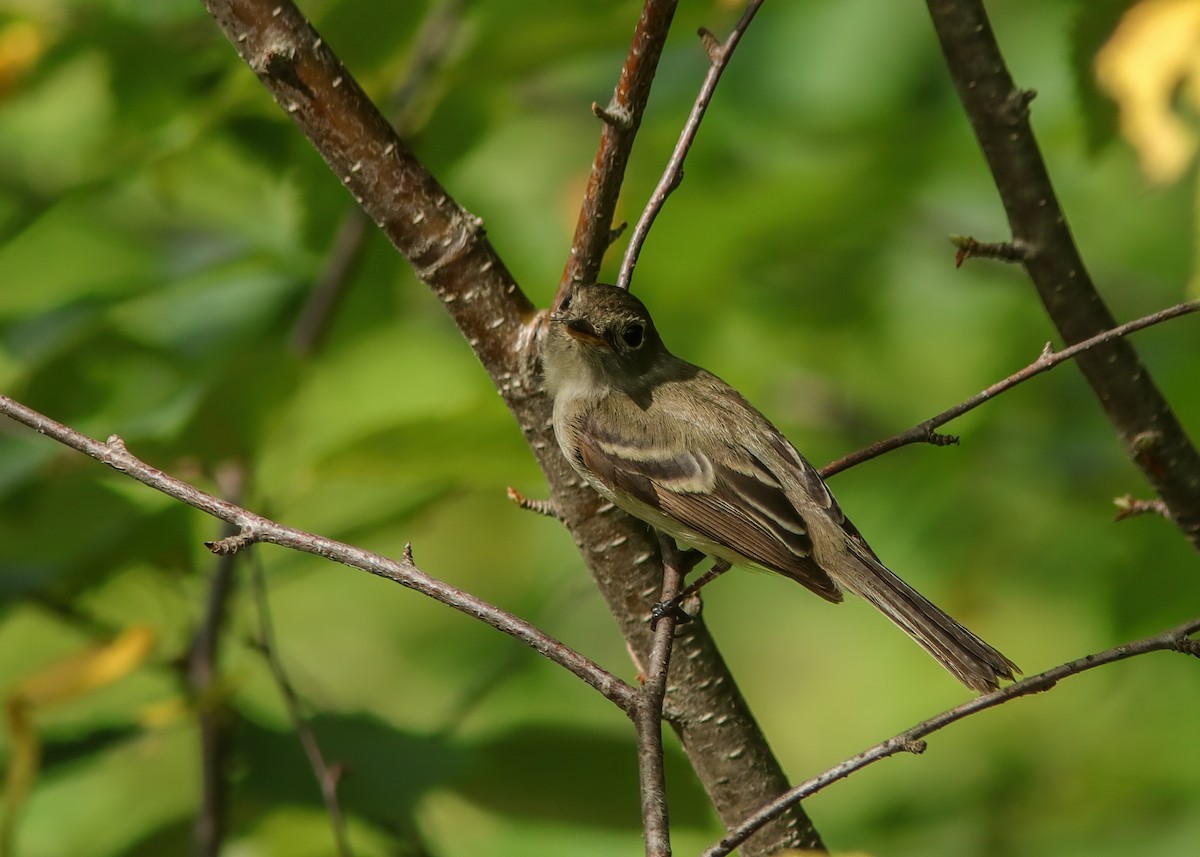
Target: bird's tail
x,y
968,658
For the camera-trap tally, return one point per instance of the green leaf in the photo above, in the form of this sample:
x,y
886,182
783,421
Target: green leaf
x,y
72,253
553,772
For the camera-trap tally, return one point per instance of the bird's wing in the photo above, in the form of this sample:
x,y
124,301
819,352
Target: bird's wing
x,y
736,502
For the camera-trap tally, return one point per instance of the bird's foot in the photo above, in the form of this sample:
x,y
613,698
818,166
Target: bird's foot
x,y
672,607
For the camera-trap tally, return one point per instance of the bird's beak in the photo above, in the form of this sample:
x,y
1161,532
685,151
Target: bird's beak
x,y
581,329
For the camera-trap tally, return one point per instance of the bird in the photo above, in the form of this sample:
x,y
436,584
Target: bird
x,y
676,447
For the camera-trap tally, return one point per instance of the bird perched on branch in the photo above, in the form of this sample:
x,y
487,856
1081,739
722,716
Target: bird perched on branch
x,y
683,451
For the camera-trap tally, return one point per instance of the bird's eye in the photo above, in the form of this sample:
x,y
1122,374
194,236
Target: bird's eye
x,y
634,334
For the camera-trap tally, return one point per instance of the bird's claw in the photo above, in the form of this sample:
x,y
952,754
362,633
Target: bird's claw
x,y
671,608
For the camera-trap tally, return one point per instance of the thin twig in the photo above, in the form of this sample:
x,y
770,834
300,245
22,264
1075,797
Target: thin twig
x,y
971,248
328,776
255,528
910,741
719,56
648,714
545,507
1129,506
209,827
924,432
326,293
593,229
434,42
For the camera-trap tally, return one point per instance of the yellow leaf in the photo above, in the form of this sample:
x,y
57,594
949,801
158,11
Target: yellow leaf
x,y
59,682
1152,57
84,672
23,759
22,44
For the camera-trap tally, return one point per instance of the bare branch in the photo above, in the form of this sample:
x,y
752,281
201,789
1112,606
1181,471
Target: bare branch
x,y
328,776
616,117
259,529
719,56
621,118
911,741
649,713
1047,360
970,248
1129,507
208,830
326,293
541,507
999,115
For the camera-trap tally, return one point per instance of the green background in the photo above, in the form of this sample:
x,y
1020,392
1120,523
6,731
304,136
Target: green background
x,y
161,223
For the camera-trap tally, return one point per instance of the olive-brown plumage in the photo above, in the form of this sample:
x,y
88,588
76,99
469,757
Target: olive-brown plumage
x,y
680,449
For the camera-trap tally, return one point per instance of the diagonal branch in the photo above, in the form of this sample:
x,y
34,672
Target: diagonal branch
x,y
203,679
649,712
255,528
999,115
329,776
1177,639
925,432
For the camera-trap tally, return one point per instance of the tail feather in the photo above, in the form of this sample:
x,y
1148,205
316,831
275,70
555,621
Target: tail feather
x,y
971,660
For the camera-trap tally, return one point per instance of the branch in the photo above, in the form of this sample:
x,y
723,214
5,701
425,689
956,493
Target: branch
x,y
255,528
1177,639
540,507
970,248
718,57
999,115
209,827
1128,507
326,293
328,776
622,117
1047,360
648,714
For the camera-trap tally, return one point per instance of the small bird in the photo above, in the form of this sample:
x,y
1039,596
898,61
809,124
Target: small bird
x,y
680,449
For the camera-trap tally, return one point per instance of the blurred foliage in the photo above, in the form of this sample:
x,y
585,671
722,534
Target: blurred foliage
x,y
161,224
